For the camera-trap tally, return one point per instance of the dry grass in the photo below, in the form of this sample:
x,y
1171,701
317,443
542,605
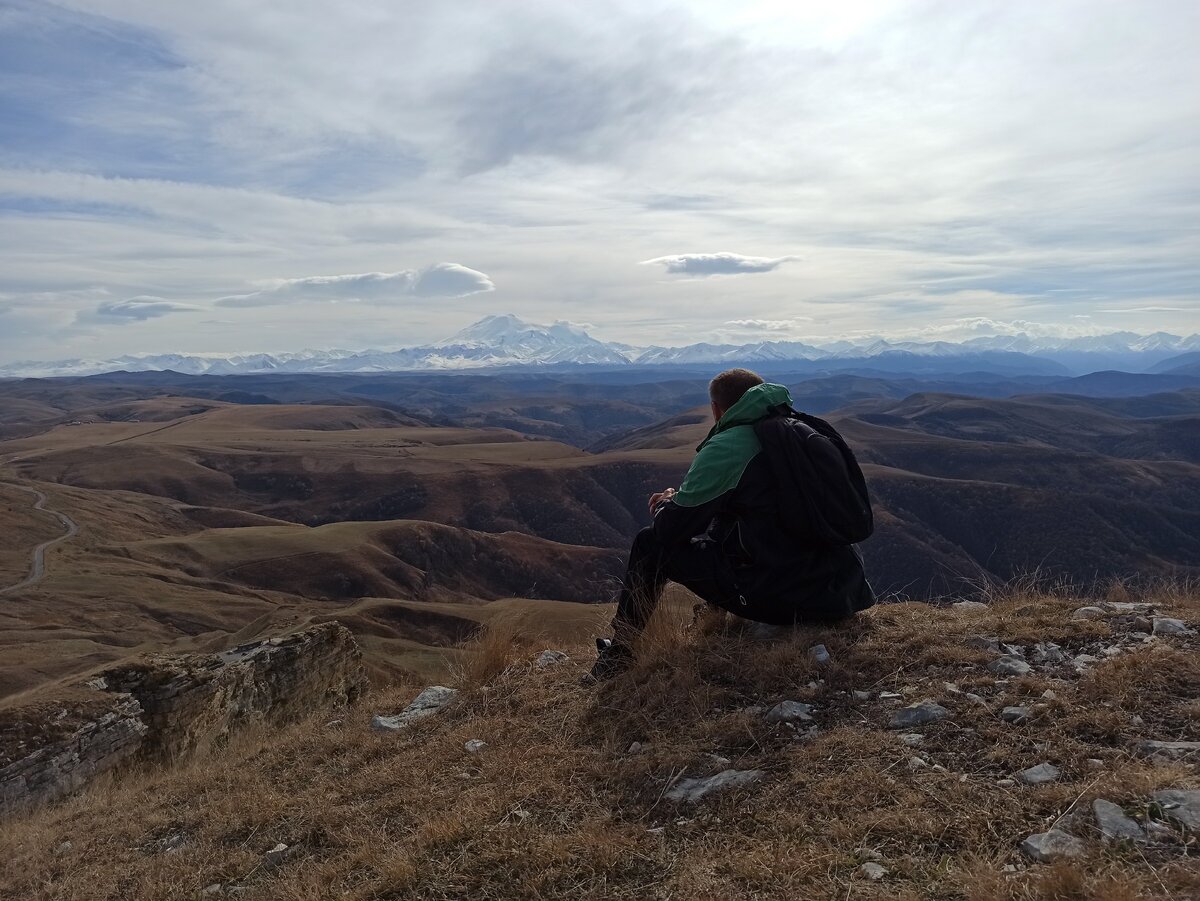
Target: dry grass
x,y
557,807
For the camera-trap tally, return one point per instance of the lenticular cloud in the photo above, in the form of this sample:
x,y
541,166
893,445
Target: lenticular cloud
x,y
706,264
438,280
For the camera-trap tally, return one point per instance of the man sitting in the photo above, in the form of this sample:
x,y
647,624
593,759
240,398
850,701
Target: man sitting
x,y
720,536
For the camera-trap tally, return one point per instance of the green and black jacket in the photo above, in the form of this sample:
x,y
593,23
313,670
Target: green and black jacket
x,y
729,502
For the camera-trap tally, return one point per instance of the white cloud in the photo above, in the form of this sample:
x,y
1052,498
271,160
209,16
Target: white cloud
x,y
703,265
769,325
138,309
444,280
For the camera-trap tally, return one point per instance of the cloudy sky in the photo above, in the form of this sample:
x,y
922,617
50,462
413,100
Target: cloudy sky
x,y
229,176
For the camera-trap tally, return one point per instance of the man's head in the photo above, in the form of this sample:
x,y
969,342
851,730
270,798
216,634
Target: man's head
x,y
727,389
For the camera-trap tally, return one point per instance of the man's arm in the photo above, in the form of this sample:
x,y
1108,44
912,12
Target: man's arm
x,y
714,474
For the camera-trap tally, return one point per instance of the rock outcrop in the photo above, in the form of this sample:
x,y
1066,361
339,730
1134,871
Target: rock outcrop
x,y
163,708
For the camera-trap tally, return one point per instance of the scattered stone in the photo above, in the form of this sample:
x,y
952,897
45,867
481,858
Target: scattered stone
x,y
1114,823
1131,624
1005,783
1095,763
984,643
952,688
550,658
63,848
1083,661
211,891
1112,651
928,711
1009,665
1049,695
657,830
1164,625
890,696
427,703
969,605
1089,613
862,695
1129,606
1048,652
917,763
1014,650
1046,847
474,746
1016,714
1181,805
790,712
819,653
912,739
635,748
971,696
276,856
172,842
1040,774
868,853
693,790
1175,750
717,761
873,871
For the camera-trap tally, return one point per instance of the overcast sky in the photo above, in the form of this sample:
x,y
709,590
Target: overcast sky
x,y
279,174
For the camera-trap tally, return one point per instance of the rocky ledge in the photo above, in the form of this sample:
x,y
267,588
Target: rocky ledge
x,y
163,708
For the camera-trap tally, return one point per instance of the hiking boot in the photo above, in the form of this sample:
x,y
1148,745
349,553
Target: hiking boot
x,y
613,658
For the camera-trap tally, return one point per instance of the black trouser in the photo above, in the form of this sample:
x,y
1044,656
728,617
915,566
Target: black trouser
x,y
694,566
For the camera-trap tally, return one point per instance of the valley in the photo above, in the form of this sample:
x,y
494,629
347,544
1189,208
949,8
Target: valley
x,y
414,508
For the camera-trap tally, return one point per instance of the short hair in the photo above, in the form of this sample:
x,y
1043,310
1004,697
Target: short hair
x,y
727,388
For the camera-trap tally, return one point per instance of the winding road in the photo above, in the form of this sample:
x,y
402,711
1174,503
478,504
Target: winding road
x,y
37,570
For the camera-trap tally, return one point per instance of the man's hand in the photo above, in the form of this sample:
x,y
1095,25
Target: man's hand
x,y
655,499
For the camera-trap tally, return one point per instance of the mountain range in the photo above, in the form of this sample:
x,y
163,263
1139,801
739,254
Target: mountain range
x,y
507,341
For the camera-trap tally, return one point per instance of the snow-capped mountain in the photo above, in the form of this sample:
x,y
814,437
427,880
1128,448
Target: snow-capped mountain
x,y
505,340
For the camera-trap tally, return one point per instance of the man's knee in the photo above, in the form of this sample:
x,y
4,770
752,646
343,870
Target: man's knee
x,y
646,544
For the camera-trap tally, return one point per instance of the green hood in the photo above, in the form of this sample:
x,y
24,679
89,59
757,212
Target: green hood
x,y
730,446
750,409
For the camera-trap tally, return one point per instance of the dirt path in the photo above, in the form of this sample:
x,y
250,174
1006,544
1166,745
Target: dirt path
x,y
37,570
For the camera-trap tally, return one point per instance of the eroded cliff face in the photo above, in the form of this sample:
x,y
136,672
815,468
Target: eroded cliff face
x,y
163,708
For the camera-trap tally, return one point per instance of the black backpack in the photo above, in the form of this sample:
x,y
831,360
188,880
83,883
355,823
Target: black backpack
x,y
823,495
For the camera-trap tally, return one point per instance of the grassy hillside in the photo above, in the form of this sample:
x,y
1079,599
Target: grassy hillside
x,y
572,795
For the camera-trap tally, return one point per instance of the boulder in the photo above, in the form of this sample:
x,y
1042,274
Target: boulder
x,y
1040,774
1114,823
928,711
1175,750
1015,714
693,790
819,653
427,703
1010,665
790,712
1181,805
1164,625
549,658
1046,847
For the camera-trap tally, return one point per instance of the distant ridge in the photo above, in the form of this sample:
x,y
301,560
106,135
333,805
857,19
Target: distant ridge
x,y
508,341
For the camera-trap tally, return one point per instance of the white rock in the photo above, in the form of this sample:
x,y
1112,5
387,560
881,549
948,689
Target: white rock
x,y
474,746
912,739
276,855
1164,625
1046,847
427,703
971,696
790,712
1095,763
862,695
634,748
549,658
1040,774
917,763
1089,613
969,606
693,790
1005,783
1049,695
1048,652
1114,823
869,853
819,653
984,643
1010,665
1083,661
873,871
